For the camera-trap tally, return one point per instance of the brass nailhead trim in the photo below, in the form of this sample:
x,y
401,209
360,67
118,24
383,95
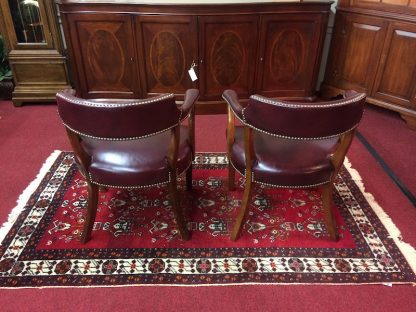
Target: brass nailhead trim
x,y
137,186
97,104
256,97
94,104
119,139
276,185
290,105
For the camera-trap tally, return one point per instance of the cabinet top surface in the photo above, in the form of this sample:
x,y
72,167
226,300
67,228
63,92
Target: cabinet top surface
x,y
168,2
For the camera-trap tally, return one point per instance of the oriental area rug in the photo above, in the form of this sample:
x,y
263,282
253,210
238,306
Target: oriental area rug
x,y
135,241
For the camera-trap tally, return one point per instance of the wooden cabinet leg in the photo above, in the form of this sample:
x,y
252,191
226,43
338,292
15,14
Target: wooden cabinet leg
x,y
17,103
410,121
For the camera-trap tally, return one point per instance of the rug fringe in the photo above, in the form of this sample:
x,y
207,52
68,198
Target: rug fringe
x,y
24,197
408,251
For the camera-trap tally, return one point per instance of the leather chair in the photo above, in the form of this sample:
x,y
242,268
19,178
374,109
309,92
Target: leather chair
x,y
130,144
290,145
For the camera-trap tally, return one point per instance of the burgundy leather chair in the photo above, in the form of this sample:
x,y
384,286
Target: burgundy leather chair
x,y
130,144
290,145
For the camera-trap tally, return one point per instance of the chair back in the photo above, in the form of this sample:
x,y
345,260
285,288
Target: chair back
x,y
304,120
118,119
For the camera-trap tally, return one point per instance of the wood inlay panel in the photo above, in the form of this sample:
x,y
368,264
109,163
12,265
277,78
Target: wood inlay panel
x,y
169,48
108,68
289,46
227,57
223,40
167,59
287,56
106,46
227,54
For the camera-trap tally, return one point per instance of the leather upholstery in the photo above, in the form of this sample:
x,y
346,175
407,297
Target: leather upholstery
x,y
292,142
119,120
301,120
130,144
293,145
135,162
127,141
283,162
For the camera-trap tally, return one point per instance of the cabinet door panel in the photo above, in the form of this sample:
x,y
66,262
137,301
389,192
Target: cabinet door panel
x,y
289,51
103,47
359,42
227,53
169,47
396,77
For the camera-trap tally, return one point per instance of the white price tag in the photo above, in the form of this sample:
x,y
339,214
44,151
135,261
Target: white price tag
x,y
192,73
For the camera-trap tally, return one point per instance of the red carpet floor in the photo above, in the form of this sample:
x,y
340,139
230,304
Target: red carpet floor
x,y
393,141
30,133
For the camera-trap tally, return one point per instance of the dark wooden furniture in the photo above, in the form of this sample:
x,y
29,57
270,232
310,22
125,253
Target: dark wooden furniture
x,y
107,135
290,145
35,50
128,49
374,50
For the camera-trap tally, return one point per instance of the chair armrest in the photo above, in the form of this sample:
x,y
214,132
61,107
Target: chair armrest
x,y
231,97
188,109
191,95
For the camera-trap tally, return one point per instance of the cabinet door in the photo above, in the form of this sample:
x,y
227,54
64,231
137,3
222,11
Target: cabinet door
x,y
103,53
290,50
355,52
396,77
168,48
227,51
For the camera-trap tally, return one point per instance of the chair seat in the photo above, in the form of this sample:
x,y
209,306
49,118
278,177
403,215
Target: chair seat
x,y
135,163
283,162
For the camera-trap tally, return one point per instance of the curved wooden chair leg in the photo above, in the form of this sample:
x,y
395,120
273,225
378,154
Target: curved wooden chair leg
x,y
328,214
177,211
93,191
239,220
231,177
189,179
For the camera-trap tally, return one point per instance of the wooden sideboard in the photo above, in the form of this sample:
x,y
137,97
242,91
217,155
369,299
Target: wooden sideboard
x,y
129,49
374,50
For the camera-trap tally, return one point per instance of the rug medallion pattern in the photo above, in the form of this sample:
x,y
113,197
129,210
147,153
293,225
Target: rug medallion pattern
x,y
135,241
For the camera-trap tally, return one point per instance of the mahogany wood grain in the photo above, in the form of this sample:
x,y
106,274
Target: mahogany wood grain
x,y
166,50
103,45
353,61
288,58
398,60
224,40
373,51
227,46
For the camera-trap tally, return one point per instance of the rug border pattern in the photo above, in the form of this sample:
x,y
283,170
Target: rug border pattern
x,y
185,271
